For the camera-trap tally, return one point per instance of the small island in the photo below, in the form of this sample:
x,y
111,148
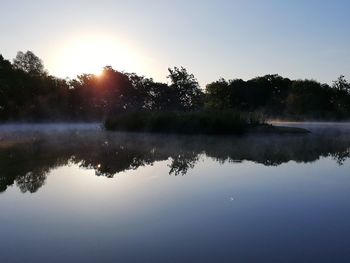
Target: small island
x,y
201,122
134,103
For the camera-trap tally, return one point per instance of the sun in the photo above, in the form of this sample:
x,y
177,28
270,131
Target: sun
x,y
90,55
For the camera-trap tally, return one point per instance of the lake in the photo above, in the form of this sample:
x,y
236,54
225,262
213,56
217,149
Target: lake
x,y
76,193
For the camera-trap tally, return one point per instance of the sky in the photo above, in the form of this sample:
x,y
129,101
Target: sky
x,y
212,39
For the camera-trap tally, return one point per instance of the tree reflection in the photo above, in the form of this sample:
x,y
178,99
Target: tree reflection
x,y
31,181
182,163
27,162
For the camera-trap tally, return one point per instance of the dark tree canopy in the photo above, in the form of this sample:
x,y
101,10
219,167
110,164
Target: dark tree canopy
x,y
28,93
29,63
341,84
186,87
276,96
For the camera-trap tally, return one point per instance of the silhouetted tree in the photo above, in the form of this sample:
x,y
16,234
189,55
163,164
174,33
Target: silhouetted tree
x,y
29,63
341,84
187,89
27,92
218,95
267,94
310,98
341,97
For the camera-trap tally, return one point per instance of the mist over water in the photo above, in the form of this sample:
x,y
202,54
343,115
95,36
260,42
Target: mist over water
x,y
318,127
78,193
30,151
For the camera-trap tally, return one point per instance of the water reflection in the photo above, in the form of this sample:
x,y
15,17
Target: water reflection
x,y
27,157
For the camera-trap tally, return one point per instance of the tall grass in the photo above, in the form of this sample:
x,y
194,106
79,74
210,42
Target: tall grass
x,y
202,122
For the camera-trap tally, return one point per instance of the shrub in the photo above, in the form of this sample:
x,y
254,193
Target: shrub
x,y
202,122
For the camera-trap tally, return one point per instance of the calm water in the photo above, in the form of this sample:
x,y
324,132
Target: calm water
x,y
79,194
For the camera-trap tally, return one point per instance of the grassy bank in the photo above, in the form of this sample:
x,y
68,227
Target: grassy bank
x,y
204,122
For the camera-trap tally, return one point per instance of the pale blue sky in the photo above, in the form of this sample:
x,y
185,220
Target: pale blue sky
x,y
213,39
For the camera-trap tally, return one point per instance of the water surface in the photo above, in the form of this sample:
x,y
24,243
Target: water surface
x,y
75,193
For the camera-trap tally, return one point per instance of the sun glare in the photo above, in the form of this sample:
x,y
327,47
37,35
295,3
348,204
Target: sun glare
x,y
90,55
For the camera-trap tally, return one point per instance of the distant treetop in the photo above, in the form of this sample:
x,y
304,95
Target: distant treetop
x,y
29,63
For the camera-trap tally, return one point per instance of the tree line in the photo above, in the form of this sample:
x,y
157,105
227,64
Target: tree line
x,y
28,92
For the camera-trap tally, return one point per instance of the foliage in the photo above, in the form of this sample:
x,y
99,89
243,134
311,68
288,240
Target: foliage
x,y
275,96
29,63
341,84
202,122
28,92
186,88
